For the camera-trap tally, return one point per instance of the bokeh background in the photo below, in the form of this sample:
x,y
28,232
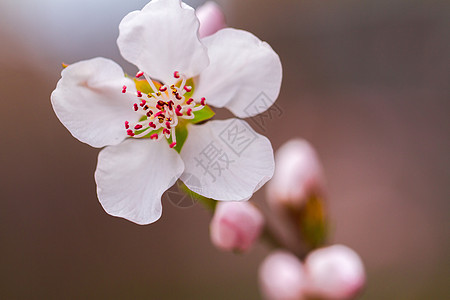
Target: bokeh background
x,y
366,82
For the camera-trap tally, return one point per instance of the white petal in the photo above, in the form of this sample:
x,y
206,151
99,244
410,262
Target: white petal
x,y
226,160
132,176
162,38
88,100
244,74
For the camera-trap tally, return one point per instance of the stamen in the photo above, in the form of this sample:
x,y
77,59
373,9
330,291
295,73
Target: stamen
x,y
162,113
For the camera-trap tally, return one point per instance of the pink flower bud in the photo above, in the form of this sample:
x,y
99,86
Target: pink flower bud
x,y
298,175
335,272
282,277
236,225
211,19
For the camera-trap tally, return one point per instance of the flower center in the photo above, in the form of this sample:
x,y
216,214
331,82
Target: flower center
x,y
162,108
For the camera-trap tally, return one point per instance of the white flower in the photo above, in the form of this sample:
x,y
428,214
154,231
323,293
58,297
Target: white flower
x,y
101,107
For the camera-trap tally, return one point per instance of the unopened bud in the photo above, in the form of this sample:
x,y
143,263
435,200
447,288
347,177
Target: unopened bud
x,y
335,273
298,175
236,225
211,19
282,277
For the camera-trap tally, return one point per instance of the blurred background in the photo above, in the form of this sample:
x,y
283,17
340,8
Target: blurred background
x,y
366,82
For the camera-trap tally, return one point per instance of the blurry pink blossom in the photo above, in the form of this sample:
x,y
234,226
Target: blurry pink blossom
x,y
298,175
334,272
282,277
211,19
236,225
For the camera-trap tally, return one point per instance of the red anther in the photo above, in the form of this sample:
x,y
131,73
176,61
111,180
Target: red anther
x,y
139,74
127,124
178,107
159,106
135,106
177,111
161,103
143,102
203,101
124,89
154,136
146,107
176,74
189,110
166,131
152,125
149,113
189,101
139,94
158,113
163,88
138,126
130,132
168,125
172,145
178,96
187,88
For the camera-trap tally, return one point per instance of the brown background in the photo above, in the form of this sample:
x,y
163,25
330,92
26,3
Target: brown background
x,y
365,81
